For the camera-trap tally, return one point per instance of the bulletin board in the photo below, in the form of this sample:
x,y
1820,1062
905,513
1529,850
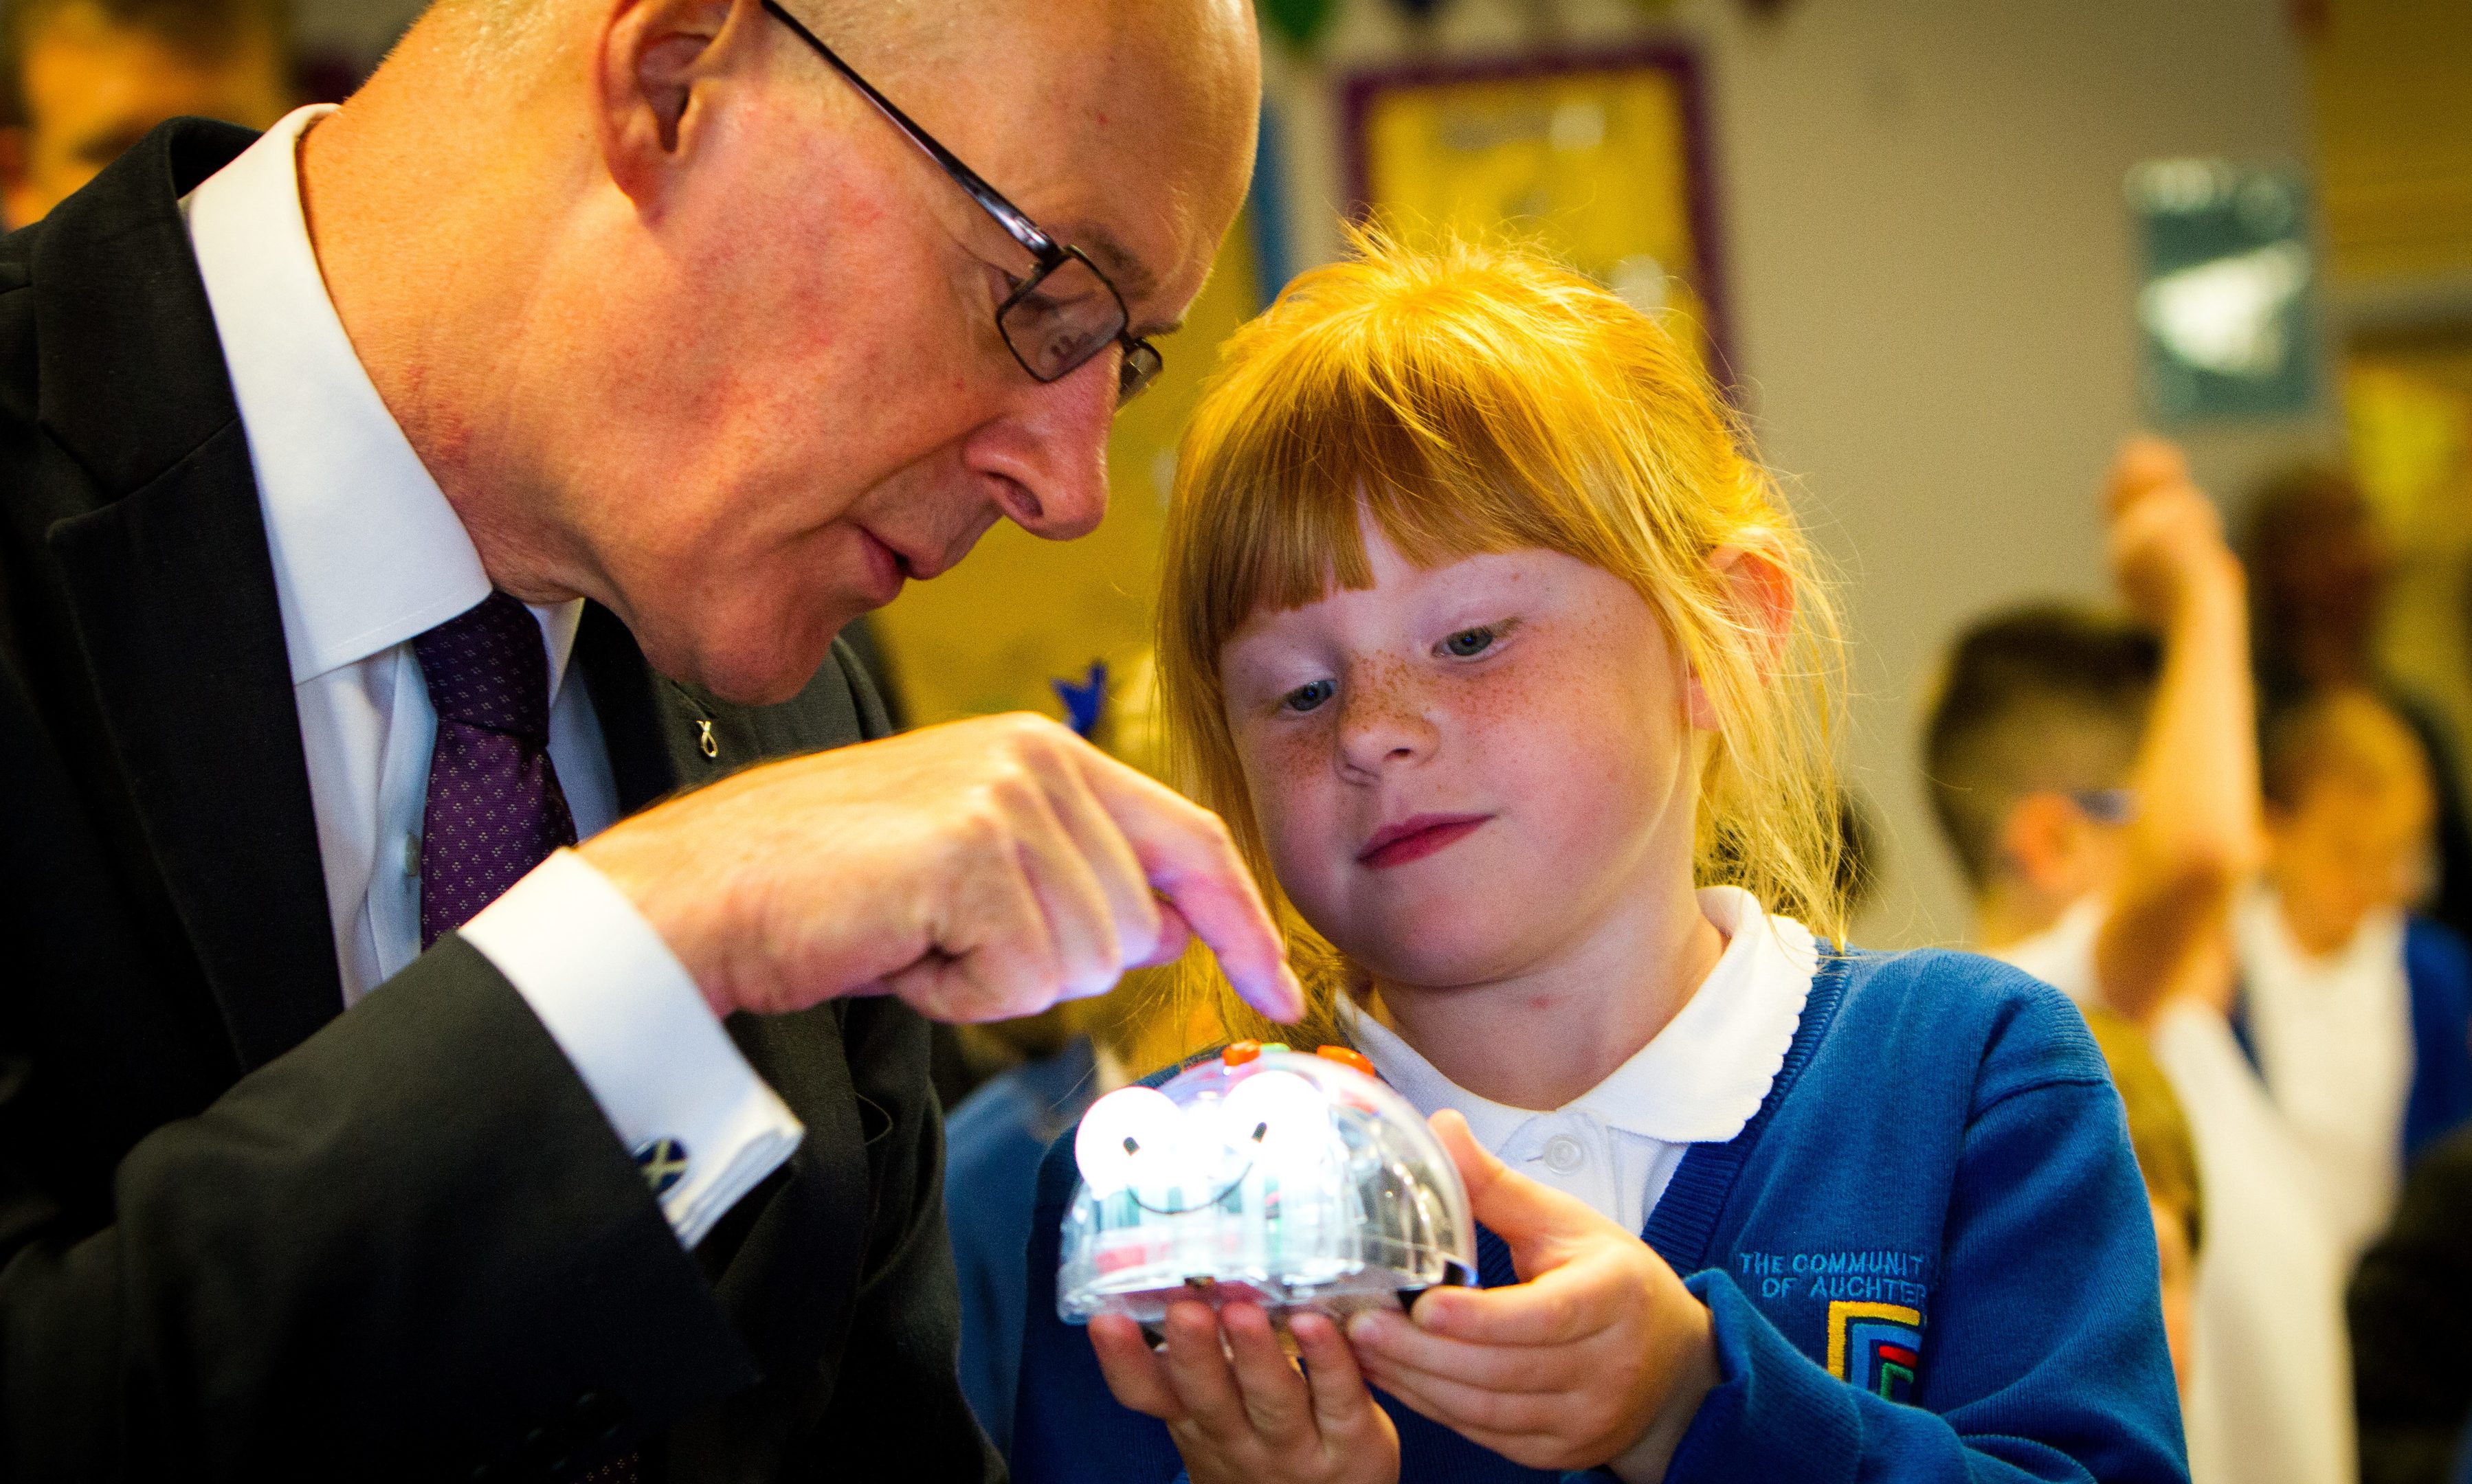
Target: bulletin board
x,y
1600,159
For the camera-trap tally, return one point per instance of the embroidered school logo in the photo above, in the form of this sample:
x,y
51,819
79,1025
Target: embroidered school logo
x,y
1874,1346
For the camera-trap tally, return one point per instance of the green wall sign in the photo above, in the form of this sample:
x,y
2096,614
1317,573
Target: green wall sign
x,y
2228,307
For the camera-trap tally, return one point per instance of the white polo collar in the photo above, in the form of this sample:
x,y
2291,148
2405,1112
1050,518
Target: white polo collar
x,y
368,552
1698,1081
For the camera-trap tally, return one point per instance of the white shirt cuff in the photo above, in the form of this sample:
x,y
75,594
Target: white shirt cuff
x,y
631,1021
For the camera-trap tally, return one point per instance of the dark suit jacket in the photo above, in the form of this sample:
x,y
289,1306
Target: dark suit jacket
x,y
246,1236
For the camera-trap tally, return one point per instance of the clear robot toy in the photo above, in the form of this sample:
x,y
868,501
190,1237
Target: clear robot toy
x,y
1297,1182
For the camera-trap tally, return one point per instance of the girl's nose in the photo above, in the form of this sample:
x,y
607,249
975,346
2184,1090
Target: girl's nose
x,y
1383,721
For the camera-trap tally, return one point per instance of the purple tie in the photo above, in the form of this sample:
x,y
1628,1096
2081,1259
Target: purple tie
x,y
495,810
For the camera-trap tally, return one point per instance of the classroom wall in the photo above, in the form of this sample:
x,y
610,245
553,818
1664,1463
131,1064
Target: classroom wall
x,y
1931,273
355,31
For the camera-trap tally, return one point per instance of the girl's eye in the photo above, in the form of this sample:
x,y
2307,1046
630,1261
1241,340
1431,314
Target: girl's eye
x,y
1309,697
1470,643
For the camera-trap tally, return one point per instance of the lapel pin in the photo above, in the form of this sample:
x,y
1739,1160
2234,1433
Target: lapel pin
x,y
704,739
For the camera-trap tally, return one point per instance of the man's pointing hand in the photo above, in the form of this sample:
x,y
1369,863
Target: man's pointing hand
x,y
979,871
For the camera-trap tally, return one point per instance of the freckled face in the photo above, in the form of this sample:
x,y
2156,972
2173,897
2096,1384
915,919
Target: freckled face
x,y
1461,771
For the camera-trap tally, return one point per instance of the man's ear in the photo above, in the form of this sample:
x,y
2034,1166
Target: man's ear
x,y
654,60
1760,594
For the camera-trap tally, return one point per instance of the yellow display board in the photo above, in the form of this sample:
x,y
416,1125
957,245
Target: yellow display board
x,y
1594,158
991,635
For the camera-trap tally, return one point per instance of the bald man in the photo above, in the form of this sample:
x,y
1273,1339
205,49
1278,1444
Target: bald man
x,y
436,1039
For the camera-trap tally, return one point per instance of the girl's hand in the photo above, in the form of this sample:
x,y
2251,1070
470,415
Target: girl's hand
x,y
1598,1357
1241,1413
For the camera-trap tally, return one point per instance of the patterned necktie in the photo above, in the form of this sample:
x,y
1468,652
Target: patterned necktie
x,y
495,810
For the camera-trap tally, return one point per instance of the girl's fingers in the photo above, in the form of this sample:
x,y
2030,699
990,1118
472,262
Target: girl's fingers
x,y
1197,1367
1559,1306
1391,1344
1133,1373
1274,1393
1341,1406
1469,1409
1543,1227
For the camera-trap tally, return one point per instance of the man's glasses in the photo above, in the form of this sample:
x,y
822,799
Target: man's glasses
x,y
1066,311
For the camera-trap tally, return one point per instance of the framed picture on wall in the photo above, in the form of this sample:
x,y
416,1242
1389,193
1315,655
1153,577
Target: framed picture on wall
x,y
1598,157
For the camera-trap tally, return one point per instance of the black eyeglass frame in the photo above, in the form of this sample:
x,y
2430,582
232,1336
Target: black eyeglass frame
x,y
1141,360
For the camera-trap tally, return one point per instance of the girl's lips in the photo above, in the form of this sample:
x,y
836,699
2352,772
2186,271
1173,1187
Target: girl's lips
x,y
1415,838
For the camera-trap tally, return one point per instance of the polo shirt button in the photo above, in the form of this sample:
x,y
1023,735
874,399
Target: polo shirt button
x,y
1563,1154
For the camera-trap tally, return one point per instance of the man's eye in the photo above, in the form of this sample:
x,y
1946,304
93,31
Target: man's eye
x,y
1309,697
1470,643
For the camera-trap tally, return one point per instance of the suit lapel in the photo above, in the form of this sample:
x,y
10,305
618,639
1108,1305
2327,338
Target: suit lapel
x,y
173,593
785,1262
627,699
174,599
664,737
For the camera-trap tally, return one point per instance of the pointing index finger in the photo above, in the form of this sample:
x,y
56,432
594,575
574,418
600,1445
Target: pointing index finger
x,y
1188,858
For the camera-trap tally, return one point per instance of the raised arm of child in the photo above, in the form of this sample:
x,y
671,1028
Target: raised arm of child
x,y
2196,835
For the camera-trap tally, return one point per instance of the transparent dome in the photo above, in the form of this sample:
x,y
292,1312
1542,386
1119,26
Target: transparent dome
x,y
1297,1182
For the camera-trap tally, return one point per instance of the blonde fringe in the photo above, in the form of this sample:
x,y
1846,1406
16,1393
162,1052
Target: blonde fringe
x,y
1475,398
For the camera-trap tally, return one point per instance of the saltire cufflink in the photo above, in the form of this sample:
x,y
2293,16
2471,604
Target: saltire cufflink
x,y
664,1164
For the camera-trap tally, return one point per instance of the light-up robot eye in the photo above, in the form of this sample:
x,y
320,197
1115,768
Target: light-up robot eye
x,y
1277,1112
1119,1130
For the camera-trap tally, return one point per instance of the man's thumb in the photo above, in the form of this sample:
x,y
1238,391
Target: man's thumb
x,y
1531,1218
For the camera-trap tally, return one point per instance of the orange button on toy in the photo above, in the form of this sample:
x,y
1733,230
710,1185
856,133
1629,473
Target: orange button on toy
x,y
1241,1052
1346,1056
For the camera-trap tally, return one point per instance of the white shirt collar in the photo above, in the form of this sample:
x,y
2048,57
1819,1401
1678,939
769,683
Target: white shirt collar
x,y
2063,954
368,552
1701,1078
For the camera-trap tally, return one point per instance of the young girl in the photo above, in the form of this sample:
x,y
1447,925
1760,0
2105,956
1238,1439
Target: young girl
x,y
1491,644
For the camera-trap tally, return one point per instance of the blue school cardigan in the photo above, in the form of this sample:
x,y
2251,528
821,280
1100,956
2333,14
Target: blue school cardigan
x,y
1928,1256
2438,970
993,1143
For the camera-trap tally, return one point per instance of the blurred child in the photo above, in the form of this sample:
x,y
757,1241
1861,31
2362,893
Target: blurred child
x,y
2101,791
2319,570
1493,647
2167,1157
2354,1010
2411,1307
80,81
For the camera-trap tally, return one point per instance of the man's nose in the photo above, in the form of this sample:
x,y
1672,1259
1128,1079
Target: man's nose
x,y
1048,453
